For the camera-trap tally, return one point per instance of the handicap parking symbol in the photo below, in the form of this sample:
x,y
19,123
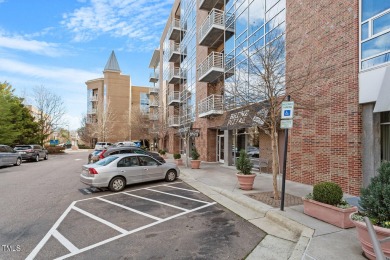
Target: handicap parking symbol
x,y
287,112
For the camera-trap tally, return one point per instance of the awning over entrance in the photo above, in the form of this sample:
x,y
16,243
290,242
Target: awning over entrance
x,y
383,101
243,117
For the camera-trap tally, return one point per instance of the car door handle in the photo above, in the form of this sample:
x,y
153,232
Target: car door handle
x,y
146,169
123,171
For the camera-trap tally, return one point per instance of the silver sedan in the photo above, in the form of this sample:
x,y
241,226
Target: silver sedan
x,y
117,171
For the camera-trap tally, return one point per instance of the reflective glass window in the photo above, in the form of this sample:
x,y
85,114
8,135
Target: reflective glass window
x,y
364,31
371,8
256,15
376,45
381,23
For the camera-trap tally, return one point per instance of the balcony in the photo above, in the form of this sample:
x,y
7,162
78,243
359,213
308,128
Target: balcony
x,y
175,32
153,91
229,66
153,103
208,5
213,28
92,111
174,98
211,68
176,75
175,53
153,117
153,77
173,121
93,98
212,105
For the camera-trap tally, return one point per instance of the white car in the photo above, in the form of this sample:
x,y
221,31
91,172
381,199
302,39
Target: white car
x,y
102,145
117,171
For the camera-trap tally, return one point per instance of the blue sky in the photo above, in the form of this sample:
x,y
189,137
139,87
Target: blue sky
x,y
60,44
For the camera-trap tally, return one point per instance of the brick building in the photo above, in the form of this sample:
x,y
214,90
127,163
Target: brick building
x,y
113,104
334,49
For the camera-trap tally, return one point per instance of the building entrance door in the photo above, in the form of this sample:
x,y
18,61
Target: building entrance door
x,y
221,140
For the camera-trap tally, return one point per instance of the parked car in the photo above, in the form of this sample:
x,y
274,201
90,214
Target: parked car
x,y
9,156
94,156
117,171
102,145
32,152
129,149
124,143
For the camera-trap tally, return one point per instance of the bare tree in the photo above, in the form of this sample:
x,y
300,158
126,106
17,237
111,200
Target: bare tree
x,y
50,111
105,125
85,131
139,125
265,76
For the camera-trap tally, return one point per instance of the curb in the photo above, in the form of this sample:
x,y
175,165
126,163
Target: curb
x,y
302,232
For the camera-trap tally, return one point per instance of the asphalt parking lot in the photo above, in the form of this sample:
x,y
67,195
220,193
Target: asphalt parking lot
x,y
156,221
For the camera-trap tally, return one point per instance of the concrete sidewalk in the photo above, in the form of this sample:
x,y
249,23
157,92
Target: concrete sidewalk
x,y
291,233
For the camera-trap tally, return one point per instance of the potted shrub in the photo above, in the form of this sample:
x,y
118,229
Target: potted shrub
x,y
327,204
195,163
163,154
245,176
375,202
178,160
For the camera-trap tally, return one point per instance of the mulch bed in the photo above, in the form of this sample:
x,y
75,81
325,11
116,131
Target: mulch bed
x,y
268,198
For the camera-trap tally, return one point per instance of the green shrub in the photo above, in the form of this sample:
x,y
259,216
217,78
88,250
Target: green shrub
x,y
162,152
83,146
55,149
328,192
375,199
244,164
194,154
176,156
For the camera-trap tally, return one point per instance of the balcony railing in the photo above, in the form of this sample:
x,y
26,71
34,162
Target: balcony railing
x,y
210,4
173,121
176,75
153,103
93,98
175,32
211,68
153,91
212,105
174,52
229,66
91,120
153,117
213,28
92,111
153,77
174,98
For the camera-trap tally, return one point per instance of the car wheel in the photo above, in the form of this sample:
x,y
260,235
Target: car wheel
x,y
170,176
37,158
18,162
46,157
117,184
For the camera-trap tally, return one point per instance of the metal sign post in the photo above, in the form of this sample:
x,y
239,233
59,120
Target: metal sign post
x,y
286,123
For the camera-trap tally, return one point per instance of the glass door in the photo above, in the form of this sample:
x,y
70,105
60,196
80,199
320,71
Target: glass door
x,y
221,144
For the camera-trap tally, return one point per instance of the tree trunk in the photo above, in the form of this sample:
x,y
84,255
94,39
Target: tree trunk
x,y
275,161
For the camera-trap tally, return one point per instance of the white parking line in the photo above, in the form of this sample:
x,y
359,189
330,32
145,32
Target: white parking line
x,y
159,202
132,231
130,209
170,194
119,229
171,186
64,241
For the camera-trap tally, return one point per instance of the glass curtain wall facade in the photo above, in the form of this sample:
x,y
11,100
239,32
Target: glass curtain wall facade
x,y
188,63
375,33
257,24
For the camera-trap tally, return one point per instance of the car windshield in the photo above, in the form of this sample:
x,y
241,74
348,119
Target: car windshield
x,y
23,147
106,160
96,152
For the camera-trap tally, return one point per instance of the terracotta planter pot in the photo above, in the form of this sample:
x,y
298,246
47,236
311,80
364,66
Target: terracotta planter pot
x,y
365,239
195,164
328,213
246,181
179,162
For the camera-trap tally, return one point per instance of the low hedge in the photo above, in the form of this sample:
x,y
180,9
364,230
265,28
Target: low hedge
x,y
55,149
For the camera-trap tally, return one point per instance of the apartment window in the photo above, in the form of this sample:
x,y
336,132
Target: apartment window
x,y
144,102
375,33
